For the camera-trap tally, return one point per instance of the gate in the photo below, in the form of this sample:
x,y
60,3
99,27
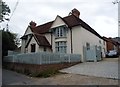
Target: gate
x,y
93,54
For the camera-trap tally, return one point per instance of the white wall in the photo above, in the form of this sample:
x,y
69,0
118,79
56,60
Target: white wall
x,y
80,37
68,41
23,46
33,41
48,37
58,22
28,31
38,48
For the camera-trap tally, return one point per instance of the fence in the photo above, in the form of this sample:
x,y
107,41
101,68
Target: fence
x,y
12,52
42,58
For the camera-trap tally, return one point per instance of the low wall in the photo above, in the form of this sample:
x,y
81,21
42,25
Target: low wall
x,y
33,68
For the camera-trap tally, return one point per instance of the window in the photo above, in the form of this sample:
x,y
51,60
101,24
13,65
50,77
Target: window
x,y
100,41
45,49
60,31
32,47
103,42
61,46
88,46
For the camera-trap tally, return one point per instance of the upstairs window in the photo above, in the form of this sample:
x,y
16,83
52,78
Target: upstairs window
x,y
104,42
88,46
60,31
100,41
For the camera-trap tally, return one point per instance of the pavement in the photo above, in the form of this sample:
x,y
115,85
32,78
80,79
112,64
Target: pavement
x,y
107,68
10,77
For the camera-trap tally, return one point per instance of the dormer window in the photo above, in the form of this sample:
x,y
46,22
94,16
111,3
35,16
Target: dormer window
x,y
60,31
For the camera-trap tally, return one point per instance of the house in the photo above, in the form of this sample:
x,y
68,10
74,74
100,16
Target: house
x,y
68,34
112,44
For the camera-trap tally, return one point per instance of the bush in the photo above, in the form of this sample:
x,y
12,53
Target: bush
x,y
26,72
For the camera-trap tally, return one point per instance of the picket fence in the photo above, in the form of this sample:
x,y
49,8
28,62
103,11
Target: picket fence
x,y
42,58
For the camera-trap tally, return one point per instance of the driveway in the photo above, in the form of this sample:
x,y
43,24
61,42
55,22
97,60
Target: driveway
x,y
107,68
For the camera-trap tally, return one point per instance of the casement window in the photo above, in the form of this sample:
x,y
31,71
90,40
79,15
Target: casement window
x,y
60,31
45,49
104,42
61,47
88,46
33,47
100,41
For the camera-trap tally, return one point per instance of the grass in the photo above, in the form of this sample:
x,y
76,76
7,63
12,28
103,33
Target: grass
x,y
45,74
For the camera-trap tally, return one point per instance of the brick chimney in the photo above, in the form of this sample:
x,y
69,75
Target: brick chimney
x,y
76,12
32,24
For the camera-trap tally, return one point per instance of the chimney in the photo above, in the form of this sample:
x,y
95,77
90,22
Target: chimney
x,y
32,24
76,12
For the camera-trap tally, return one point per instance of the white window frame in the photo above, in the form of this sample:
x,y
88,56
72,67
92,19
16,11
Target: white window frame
x,y
60,31
88,46
61,47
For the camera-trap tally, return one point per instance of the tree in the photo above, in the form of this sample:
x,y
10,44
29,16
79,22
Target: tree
x,y
4,10
8,42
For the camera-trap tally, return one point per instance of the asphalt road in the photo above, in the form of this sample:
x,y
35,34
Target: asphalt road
x,y
10,78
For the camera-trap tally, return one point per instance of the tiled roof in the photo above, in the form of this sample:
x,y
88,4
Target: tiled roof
x,y
70,20
42,41
110,40
42,28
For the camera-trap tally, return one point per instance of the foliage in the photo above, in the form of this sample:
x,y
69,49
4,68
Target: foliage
x,y
5,10
45,73
8,41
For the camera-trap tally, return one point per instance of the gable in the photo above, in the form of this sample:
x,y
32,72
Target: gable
x,y
70,21
28,31
38,39
58,22
31,41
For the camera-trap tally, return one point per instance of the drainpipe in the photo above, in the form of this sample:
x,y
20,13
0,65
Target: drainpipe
x,y
51,40
71,40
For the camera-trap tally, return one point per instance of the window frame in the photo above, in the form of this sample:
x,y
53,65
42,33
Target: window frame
x,y
33,47
88,46
60,31
61,47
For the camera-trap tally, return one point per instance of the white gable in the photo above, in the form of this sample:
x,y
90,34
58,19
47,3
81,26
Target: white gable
x,y
28,31
58,22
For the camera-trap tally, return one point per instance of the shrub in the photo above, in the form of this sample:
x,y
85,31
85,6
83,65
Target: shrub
x,y
45,73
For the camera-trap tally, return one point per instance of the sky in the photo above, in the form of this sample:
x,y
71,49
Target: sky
x,y
101,15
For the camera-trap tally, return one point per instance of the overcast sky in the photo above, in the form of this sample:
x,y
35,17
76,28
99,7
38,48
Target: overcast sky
x,y
101,15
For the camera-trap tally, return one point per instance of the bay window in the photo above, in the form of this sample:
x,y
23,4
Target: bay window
x,y
60,31
61,47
